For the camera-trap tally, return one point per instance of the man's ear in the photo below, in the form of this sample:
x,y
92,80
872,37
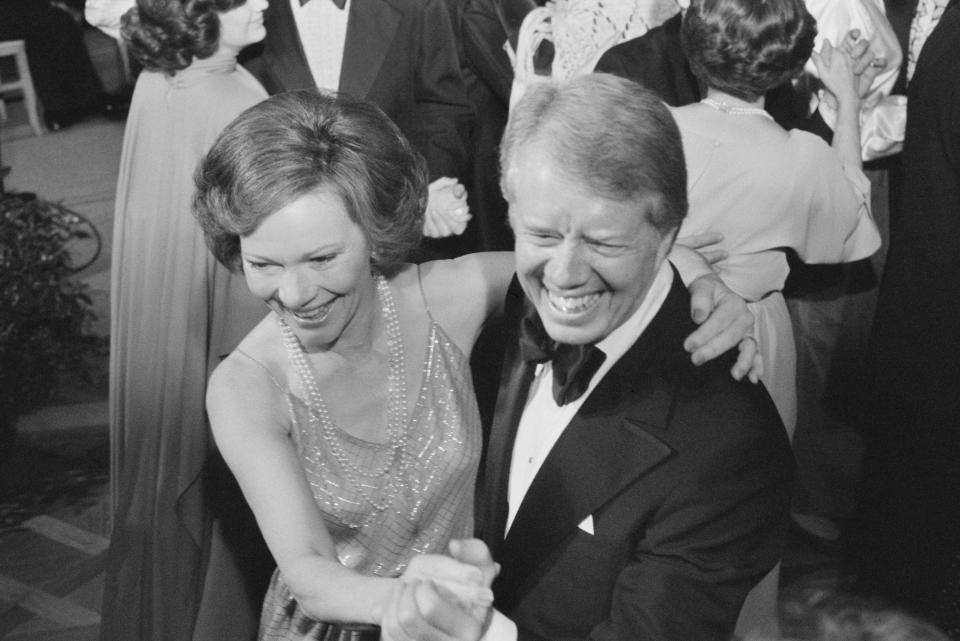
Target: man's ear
x,y
666,244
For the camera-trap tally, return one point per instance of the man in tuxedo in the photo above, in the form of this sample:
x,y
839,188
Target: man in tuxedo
x,y
399,54
627,494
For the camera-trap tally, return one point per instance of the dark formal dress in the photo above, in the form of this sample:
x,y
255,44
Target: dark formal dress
x,y
910,513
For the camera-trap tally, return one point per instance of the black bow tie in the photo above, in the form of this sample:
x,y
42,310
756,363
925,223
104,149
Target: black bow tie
x,y
340,3
573,365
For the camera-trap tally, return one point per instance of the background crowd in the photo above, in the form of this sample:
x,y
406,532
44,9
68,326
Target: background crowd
x,y
391,365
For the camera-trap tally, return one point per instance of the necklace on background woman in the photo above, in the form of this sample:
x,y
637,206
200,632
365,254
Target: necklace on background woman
x,y
378,486
734,110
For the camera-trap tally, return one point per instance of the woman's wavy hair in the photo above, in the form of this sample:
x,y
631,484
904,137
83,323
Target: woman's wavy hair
x,y
297,142
167,35
747,47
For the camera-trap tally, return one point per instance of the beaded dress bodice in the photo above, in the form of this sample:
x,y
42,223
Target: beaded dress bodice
x,y
383,503
434,500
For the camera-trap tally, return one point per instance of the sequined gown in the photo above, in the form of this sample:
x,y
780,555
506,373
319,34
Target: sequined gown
x,y
433,505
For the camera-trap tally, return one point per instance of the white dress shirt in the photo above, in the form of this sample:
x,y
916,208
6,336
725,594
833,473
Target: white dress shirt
x,y
323,33
543,421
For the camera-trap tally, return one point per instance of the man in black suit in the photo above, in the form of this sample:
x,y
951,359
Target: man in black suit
x,y
627,494
399,54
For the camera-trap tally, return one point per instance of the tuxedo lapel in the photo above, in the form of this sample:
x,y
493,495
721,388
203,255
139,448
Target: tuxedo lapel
x,y
596,457
284,40
610,443
371,29
515,380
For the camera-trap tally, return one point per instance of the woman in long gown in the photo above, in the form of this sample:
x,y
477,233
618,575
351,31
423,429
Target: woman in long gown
x,y
174,312
767,189
764,188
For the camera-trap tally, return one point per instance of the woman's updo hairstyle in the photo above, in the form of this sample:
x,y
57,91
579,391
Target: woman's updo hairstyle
x,y
747,47
167,35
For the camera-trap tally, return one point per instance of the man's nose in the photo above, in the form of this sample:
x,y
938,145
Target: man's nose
x,y
568,267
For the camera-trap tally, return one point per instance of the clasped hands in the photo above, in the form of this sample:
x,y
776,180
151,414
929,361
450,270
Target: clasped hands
x,y
850,67
447,210
443,598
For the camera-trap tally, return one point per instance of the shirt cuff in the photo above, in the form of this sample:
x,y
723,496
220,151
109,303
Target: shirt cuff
x,y
501,629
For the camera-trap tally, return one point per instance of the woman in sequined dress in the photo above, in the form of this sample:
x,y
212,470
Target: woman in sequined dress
x,y
348,414
319,199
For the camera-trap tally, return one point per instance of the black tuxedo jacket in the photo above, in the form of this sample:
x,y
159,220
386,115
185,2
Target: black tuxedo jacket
x,y
685,473
399,54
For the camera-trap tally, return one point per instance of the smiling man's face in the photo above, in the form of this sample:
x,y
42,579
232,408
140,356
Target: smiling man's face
x,y
585,261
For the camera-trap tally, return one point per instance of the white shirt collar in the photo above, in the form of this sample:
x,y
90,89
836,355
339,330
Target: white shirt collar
x,y
543,421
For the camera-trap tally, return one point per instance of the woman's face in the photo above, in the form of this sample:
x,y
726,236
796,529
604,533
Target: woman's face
x,y
311,264
243,25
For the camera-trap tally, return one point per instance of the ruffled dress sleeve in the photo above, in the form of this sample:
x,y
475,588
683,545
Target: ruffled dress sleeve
x,y
840,226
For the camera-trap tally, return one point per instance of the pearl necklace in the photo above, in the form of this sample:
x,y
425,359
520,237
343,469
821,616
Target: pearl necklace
x,y
393,473
719,105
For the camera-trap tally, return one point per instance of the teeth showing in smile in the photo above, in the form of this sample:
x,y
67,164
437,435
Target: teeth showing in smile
x,y
572,304
312,316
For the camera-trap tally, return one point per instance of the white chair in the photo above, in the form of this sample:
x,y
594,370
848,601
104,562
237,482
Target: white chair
x,y
23,83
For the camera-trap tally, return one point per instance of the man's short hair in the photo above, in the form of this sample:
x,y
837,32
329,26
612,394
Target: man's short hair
x,y
608,133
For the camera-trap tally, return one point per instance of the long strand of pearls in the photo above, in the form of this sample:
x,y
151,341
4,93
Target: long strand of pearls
x,y
392,475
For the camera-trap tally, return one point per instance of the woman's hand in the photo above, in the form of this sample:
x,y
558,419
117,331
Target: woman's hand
x,y
725,320
836,70
707,244
447,210
462,582
440,598
418,611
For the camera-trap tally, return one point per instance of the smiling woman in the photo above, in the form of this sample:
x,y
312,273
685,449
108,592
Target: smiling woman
x,y
317,289
347,415
174,312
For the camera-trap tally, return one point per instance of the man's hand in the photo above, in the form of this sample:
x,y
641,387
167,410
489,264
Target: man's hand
x,y
419,611
725,321
475,552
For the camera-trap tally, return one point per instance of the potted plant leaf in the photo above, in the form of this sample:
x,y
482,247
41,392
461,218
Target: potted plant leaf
x,y
46,315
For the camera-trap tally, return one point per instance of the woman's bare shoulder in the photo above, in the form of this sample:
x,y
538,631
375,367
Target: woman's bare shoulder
x,y
468,276
253,373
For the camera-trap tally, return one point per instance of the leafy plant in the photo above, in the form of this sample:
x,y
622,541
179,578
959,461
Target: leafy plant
x,y
45,315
